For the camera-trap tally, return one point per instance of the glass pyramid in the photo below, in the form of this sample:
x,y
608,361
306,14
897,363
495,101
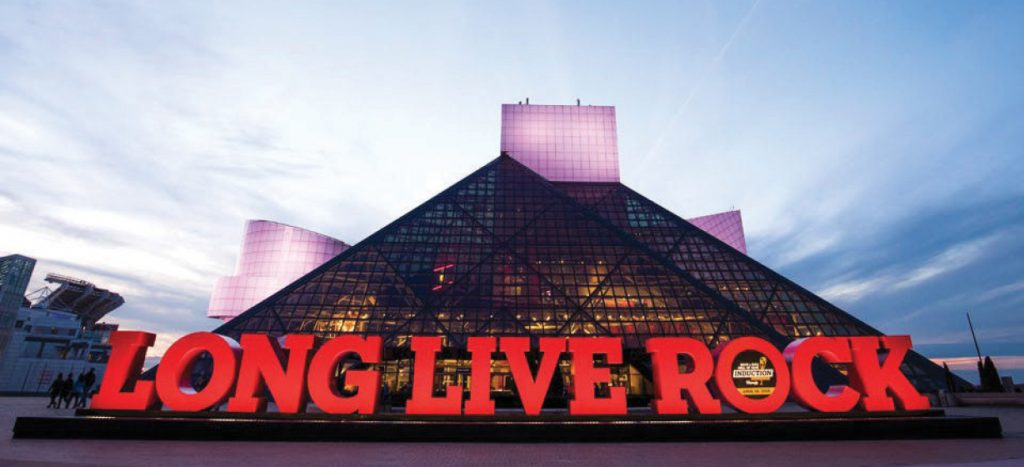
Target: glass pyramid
x,y
506,252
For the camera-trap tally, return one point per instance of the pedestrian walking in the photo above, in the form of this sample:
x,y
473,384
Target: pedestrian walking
x,y
78,394
55,388
66,390
90,381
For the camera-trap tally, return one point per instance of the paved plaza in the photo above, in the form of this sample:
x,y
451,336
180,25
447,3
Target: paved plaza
x,y
27,452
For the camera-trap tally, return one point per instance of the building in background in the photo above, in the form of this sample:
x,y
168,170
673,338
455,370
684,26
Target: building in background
x,y
46,343
58,334
81,298
15,272
273,255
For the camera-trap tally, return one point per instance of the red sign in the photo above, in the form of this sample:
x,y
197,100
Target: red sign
x,y
747,373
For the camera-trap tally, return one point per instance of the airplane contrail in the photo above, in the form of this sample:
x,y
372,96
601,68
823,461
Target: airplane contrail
x,y
696,86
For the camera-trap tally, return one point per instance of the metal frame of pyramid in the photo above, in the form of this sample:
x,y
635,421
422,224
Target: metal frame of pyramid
x,y
506,252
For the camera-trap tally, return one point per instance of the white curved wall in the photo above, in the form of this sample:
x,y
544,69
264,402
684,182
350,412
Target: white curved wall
x,y
273,256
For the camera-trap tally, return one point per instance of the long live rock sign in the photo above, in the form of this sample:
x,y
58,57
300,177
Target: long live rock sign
x,y
257,365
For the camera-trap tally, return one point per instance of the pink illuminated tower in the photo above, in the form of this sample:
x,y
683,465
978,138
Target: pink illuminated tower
x,y
273,256
576,143
726,226
563,143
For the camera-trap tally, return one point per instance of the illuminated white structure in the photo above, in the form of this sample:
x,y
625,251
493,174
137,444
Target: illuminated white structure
x,y
726,226
563,143
273,256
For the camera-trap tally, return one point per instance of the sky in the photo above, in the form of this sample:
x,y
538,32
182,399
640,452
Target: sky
x,y
876,149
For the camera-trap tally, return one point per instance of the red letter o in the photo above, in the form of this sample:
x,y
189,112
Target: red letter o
x,y
174,377
727,387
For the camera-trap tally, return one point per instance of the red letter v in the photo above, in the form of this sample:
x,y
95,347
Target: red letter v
x,y
532,390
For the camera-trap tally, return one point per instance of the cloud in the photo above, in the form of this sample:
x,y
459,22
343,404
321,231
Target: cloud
x,y
137,138
989,335
136,143
952,259
807,246
853,290
1013,288
1003,362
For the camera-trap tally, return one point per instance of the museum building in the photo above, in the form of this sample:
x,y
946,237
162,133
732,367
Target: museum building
x,y
542,241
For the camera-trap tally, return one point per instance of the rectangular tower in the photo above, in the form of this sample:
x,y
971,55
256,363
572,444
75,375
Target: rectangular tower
x,y
563,143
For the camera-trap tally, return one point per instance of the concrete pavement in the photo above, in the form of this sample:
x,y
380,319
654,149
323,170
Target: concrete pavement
x,y
30,452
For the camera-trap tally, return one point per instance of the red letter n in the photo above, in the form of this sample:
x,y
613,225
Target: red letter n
x,y
261,368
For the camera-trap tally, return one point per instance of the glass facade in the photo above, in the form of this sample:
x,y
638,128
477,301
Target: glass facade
x,y
506,252
787,308
15,272
502,252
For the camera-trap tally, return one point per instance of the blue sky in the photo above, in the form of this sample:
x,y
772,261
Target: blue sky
x,y
876,149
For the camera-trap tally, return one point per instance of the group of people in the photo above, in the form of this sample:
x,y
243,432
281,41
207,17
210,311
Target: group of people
x,y
71,391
